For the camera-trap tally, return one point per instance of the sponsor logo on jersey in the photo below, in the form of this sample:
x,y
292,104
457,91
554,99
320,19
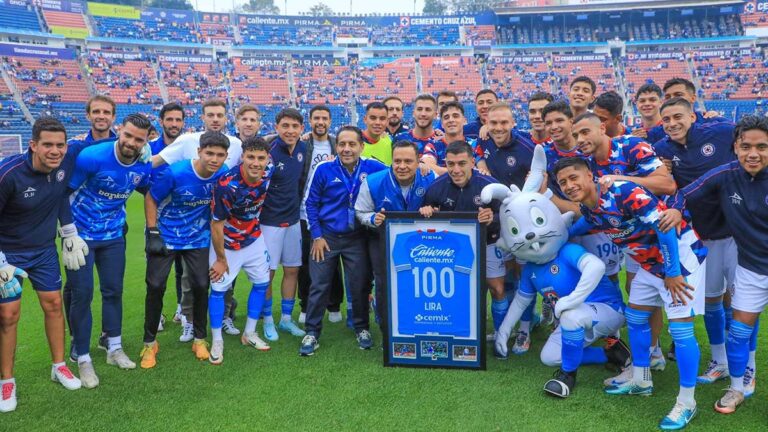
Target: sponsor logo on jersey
x,y
336,180
30,192
449,202
676,160
280,166
736,198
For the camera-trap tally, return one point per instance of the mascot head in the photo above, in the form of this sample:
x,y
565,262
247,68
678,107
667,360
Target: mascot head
x,y
532,227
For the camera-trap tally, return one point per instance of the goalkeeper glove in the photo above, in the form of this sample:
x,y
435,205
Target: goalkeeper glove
x,y
146,154
9,283
74,249
154,242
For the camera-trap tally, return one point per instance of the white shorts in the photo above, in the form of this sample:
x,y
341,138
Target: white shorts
x,y
649,290
751,292
721,265
630,265
601,319
602,247
283,244
494,262
253,259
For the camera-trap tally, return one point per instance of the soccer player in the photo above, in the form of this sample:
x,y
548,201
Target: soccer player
x,y
459,190
337,234
105,175
453,120
443,97
694,149
280,218
581,94
178,213
400,188
648,101
536,104
237,243
100,112
422,133
378,143
321,147
671,275
740,188
32,200
185,148
395,125
247,122
609,107
483,100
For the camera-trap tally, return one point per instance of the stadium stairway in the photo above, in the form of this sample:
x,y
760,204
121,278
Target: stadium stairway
x,y
696,81
161,83
82,64
419,78
291,84
16,95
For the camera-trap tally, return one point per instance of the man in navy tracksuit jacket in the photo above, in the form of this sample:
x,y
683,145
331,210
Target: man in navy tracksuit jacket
x,y
400,188
336,233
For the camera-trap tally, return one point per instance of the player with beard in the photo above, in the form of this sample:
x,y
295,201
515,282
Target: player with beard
x,y
247,121
423,132
395,125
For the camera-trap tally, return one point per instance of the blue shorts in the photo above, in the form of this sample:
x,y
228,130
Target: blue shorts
x,y
41,265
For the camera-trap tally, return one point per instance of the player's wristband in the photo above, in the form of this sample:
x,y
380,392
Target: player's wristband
x,y
68,230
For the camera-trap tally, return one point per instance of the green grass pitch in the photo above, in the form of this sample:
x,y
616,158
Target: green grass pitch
x,y
341,388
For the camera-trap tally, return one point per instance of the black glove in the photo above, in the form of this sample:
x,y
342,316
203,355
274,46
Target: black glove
x,y
154,243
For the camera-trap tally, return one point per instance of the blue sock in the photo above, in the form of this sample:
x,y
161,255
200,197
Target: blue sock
x,y
753,338
216,308
737,348
572,349
286,306
728,317
714,322
639,336
528,313
499,311
256,300
594,355
687,352
266,310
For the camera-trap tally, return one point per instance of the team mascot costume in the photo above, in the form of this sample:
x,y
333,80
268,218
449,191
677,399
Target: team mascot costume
x,y
586,303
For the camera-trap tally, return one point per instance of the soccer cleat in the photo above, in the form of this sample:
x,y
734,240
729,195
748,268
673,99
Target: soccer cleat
x,y
522,343
88,376
216,356
149,355
229,327
187,332
671,353
200,348
490,337
120,359
715,372
63,375
364,340
547,315
618,353
334,317
750,379
631,387
678,418
729,402
624,376
291,327
499,355
562,384
303,317
103,342
177,315
308,346
161,324
254,340
8,397
658,362
270,332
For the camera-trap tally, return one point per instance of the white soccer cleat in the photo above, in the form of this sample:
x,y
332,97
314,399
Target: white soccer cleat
x,y
715,372
63,375
88,376
625,376
750,380
658,362
161,324
8,397
187,332
229,327
120,359
253,339
217,352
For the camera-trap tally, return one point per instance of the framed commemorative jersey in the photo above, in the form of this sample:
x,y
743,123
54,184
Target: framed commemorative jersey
x,y
434,297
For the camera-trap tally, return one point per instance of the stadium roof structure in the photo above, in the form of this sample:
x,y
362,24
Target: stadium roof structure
x,y
609,6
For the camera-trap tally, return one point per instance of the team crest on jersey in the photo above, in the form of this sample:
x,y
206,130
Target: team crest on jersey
x,y
708,149
617,171
60,176
554,269
363,176
420,191
511,161
614,221
477,200
300,157
136,178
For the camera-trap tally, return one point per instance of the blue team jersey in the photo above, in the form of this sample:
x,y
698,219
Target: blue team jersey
x,y
238,203
86,139
281,207
657,132
708,146
554,154
421,143
387,194
102,184
558,278
157,145
629,214
509,164
437,150
629,156
472,129
184,205
433,271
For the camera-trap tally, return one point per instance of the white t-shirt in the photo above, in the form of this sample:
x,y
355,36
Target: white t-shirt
x,y
321,152
185,148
